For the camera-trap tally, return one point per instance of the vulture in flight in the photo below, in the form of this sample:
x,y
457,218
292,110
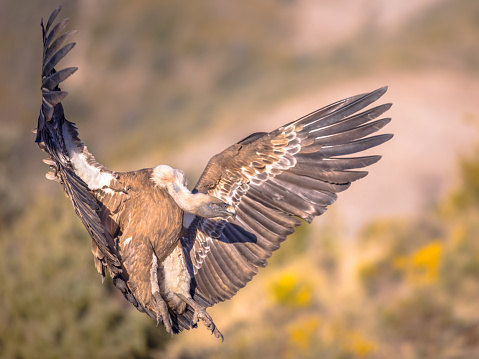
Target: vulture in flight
x,y
173,252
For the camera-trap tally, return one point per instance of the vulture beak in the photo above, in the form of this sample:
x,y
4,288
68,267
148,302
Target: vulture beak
x,y
230,210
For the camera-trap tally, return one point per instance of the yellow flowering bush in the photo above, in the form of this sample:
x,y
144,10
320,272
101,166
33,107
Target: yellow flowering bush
x,y
291,290
421,266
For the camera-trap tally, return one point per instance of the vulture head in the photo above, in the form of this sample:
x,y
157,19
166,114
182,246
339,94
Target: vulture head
x,y
207,206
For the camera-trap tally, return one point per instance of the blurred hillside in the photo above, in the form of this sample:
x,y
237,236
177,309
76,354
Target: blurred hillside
x,y
167,82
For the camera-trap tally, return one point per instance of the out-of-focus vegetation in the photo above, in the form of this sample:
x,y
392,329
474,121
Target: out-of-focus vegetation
x,y
407,288
53,304
424,281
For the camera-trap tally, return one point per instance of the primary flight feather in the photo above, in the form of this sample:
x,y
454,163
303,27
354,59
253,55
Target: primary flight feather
x,y
173,252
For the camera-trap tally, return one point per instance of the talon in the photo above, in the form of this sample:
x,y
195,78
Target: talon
x,y
199,313
163,314
202,315
194,324
218,335
194,321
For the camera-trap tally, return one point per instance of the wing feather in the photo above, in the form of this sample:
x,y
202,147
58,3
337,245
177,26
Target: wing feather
x,y
50,21
54,80
269,244
276,203
229,280
56,45
47,40
218,278
248,249
55,59
312,183
353,146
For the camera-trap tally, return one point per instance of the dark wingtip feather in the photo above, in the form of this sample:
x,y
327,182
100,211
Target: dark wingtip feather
x,y
347,107
54,97
52,18
55,59
55,31
386,107
354,146
378,93
384,138
56,44
55,79
373,96
382,90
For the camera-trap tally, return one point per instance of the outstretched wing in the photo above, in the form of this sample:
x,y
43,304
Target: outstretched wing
x,y
96,193
274,179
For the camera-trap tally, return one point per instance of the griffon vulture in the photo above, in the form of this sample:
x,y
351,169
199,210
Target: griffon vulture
x,y
173,252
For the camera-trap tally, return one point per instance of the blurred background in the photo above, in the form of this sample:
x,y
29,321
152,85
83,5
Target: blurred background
x,y
390,271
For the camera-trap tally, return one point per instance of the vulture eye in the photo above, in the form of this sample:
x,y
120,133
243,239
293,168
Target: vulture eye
x,y
213,205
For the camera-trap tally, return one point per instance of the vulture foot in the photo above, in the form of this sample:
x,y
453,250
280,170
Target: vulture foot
x,y
200,314
162,313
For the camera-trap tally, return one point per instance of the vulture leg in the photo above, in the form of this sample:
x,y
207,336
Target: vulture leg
x,y
200,314
160,304
141,264
162,313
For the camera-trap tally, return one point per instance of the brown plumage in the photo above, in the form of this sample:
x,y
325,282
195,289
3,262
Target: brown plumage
x,y
174,252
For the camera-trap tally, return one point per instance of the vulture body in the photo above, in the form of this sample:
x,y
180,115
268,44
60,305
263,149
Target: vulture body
x,y
173,252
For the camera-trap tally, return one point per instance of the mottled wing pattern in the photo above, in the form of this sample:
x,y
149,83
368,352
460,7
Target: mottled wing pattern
x,y
274,180
96,194
111,204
